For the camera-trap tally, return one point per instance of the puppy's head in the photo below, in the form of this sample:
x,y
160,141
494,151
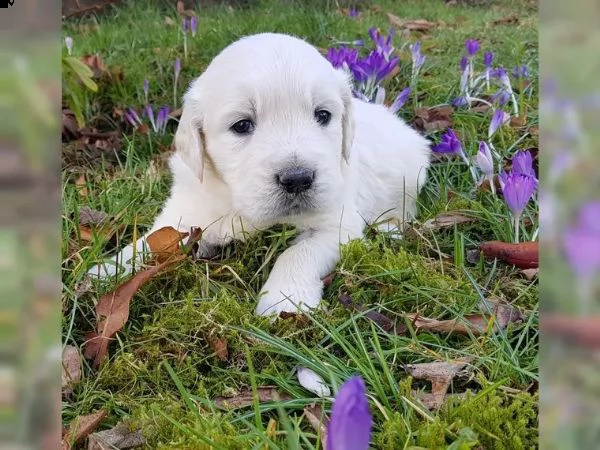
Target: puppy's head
x,y
273,119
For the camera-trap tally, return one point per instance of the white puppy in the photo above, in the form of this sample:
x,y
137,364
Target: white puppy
x,y
270,134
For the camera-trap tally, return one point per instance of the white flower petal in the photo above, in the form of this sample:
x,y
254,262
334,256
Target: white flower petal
x,y
312,382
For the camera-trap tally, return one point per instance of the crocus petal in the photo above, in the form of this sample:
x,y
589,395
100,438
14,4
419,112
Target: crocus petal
x,y
351,422
522,163
194,25
449,144
69,44
498,119
488,59
177,68
582,250
484,158
517,190
379,95
400,100
312,382
150,114
463,63
589,216
146,87
472,46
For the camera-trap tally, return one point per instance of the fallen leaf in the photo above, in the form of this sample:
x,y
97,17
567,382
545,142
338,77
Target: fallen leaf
x,y
81,427
165,243
440,374
71,369
246,397
81,186
495,314
584,331
524,255
95,63
432,119
89,216
411,24
530,274
445,220
120,437
328,279
112,311
169,22
313,382
300,319
380,319
318,420
518,121
508,20
219,346
271,429
70,127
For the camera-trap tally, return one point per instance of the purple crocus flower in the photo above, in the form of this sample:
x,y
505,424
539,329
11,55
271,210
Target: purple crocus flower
x,y
417,58
460,101
342,57
464,63
522,164
146,89
194,25
351,421
520,72
501,97
472,47
485,160
499,118
132,117
373,68
400,100
382,46
517,190
488,59
449,144
150,114
353,12
184,25
69,44
162,119
581,242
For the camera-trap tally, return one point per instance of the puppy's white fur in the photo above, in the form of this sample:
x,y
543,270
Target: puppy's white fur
x,y
368,164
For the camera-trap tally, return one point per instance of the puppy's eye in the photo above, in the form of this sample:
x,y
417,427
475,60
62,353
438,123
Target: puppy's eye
x,y
244,126
322,116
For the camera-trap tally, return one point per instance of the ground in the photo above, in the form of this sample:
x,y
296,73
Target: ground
x,y
167,368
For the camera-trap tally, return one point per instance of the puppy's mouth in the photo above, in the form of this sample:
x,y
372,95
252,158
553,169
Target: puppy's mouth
x,y
293,204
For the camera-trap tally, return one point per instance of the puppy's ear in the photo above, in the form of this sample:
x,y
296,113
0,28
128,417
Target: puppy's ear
x,y
347,116
188,142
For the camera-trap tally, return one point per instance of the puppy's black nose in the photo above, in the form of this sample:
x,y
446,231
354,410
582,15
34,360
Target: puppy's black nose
x,y
296,180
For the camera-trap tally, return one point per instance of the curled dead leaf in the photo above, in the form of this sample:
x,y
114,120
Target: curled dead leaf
x,y
112,311
530,274
508,20
219,345
317,419
433,119
524,255
71,369
81,427
411,24
380,319
120,437
245,397
445,220
165,243
584,331
440,374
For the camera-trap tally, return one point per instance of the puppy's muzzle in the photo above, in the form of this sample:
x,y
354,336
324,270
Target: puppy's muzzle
x,y
296,180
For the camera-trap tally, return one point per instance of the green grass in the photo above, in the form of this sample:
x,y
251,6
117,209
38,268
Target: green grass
x,y
162,374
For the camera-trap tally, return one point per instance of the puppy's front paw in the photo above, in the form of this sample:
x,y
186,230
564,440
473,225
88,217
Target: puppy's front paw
x,y
280,297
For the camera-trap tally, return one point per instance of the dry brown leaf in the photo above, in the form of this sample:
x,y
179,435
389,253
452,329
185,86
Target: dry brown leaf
x,y
95,63
380,319
120,437
495,315
89,216
508,20
70,127
81,186
165,243
299,319
440,374
219,346
411,24
71,369
584,331
328,279
445,220
112,311
246,397
524,255
318,420
81,427
433,119
530,274
518,121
